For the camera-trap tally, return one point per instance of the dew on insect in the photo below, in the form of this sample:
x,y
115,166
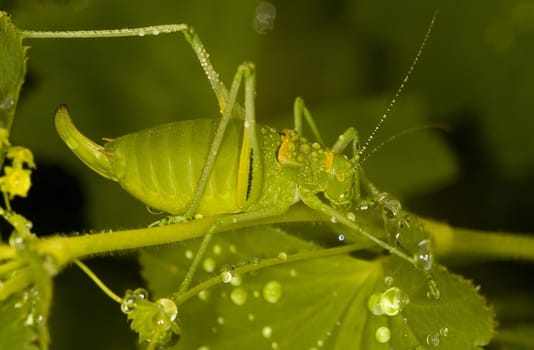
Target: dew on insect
x,y
383,335
433,339
272,292
267,332
239,296
209,264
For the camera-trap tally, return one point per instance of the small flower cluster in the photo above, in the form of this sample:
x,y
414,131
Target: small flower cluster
x,y
17,177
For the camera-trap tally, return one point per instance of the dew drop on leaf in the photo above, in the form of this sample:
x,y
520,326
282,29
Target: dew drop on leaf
x,y
383,335
209,264
272,292
239,296
433,339
189,254
267,332
373,304
393,300
444,331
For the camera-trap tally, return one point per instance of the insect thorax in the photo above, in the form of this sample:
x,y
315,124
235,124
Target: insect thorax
x,y
317,169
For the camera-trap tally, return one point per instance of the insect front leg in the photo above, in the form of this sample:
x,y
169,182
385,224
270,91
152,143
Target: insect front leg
x,y
312,201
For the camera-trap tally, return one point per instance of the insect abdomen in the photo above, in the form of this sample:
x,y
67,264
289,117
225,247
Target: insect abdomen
x,y
161,166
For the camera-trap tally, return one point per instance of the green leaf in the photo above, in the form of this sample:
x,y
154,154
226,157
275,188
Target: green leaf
x,y
12,70
316,303
14,333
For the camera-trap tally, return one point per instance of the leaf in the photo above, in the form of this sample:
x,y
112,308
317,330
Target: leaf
x,y
14,334
317,303
12,69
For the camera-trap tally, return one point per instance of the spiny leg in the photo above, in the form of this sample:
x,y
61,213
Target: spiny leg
x,y
218,87
312,201
244,71
300,110
221,222
348,136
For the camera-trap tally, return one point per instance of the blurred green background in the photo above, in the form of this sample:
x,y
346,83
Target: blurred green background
x,y
345,57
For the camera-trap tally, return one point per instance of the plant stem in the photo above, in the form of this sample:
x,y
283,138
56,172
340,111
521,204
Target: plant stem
x,y
98,282
461,243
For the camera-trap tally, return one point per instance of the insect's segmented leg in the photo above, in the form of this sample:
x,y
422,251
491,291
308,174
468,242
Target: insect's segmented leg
x,y
348,136
244,71
312,201
218,87
223,221
299,110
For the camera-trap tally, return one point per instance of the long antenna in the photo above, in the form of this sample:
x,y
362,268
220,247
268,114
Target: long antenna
x,y
401,87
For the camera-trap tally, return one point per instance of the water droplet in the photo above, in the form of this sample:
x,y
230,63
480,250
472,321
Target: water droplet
x,y
239,296
282,256
141,33
256,293
189,254
373,304
393,300
140,294
168,309
272,292
232,248
209,264
217,249
333,220
292,272
155,32
274,345
444,331
226,276
203,348
220,320
320,343
351,216
433,290
7,103
423,257
236,280
203,295
388,281
251,317
433,339
383,335
341,238
391,213
267,332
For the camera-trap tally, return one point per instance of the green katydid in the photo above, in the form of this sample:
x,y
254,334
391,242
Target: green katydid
x,y
238,168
